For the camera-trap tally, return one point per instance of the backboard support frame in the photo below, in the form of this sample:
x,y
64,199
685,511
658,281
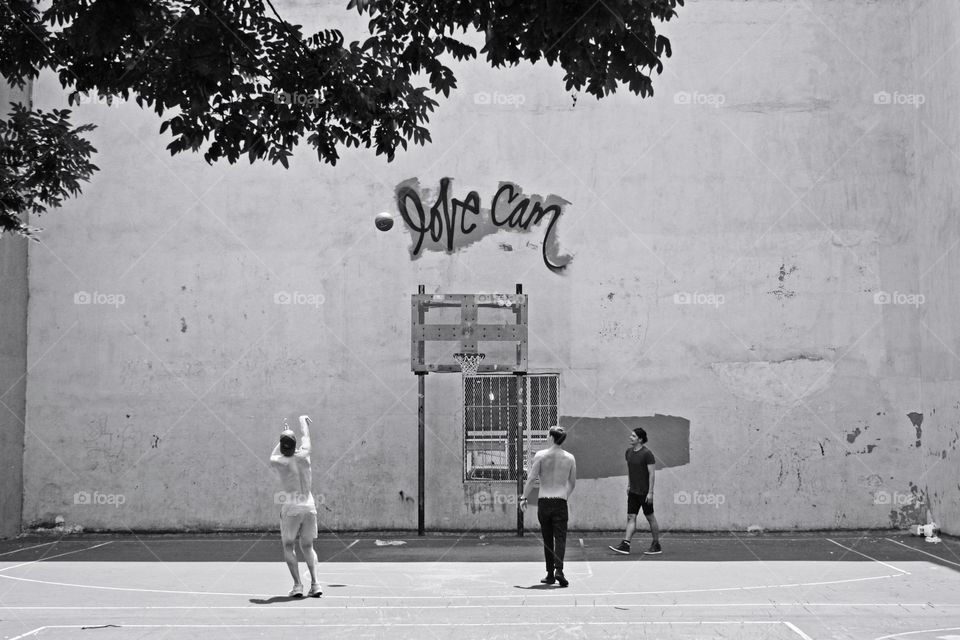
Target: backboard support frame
x,y
468,333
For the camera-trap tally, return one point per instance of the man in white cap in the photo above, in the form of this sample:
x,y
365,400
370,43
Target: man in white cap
x,y
298,510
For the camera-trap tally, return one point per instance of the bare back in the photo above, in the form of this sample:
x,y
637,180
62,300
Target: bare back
x,y
296,478
557,470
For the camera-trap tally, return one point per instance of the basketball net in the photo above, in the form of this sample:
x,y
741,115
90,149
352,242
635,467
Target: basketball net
x,y
469,362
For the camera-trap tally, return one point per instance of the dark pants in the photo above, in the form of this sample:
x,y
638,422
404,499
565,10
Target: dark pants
x,y
552,514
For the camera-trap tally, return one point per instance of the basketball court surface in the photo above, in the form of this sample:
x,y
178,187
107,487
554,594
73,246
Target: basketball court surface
x,y
845,585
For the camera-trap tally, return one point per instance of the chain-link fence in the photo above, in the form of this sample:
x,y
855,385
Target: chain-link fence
x,y
494,408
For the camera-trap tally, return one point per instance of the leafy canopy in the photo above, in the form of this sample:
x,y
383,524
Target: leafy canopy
x,y
231,78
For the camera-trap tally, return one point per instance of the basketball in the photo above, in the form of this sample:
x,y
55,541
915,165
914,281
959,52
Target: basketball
x,y
384,221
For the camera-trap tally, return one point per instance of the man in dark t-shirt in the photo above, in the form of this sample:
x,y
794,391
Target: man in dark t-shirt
x,y
640,471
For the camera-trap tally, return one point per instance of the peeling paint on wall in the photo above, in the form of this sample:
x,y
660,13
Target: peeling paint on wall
x,y
599,443
868,449
856,433
917,420
616,330
914,511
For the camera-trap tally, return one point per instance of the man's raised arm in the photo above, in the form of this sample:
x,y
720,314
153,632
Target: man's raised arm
x,y
275,455
305,435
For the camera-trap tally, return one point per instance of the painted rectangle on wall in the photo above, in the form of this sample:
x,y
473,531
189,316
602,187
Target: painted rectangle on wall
x,y
599,443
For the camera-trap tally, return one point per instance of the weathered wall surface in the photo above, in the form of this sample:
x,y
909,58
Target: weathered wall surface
x,y
936,27
729,241
13,361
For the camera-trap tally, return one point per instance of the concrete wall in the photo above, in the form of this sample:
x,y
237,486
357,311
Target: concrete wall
x,y
936,28
766,183
13,361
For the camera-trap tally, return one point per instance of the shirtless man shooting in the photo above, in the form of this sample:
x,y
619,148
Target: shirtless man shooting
x,y
298,510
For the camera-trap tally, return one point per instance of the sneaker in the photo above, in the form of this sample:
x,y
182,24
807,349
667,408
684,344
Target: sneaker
x,y
561,578
296,592
549,579
654,549
623,547
315,590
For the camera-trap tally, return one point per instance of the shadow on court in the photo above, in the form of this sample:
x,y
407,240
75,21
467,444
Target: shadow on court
x,y
538,587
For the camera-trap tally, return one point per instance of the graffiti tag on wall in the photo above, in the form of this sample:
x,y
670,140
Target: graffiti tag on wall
x,y
451,223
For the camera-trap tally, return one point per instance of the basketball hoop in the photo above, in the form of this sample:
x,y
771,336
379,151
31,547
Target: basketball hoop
x,y
469,362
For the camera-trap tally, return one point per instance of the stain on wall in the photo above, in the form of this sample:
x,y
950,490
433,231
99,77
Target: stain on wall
x,y
781,291
781,382
599,443
13,369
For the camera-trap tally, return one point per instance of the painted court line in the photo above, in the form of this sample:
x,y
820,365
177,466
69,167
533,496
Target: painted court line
x,y
6,553
589,568
527,605
913,633
471,597
59,555
796,630
906,546
889,566
380,625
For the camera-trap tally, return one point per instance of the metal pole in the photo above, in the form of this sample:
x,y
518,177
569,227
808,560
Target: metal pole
x,y
421,380
421,439
520,453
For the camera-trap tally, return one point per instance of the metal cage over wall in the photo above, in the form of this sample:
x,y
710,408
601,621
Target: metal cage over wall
x,y
492,413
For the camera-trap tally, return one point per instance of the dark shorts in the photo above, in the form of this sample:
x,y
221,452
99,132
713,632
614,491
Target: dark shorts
x,y
635,502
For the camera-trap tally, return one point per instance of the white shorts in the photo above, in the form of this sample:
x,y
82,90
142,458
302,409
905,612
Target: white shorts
x,y
299,524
